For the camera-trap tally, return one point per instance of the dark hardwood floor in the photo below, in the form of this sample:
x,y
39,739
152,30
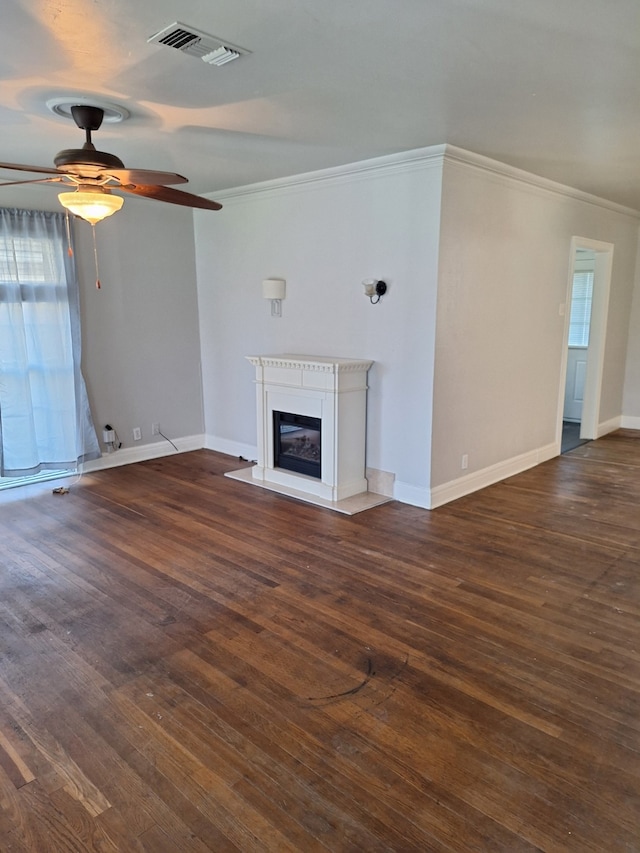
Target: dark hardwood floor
x,y
188,663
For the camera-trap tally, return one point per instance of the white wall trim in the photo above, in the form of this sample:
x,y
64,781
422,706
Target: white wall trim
x,y
413,495
231,448
141,454
453,154
493,474
418,158
407,161
470,483
610,426
629,422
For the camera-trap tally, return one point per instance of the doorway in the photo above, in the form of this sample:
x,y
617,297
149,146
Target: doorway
x,y
586,313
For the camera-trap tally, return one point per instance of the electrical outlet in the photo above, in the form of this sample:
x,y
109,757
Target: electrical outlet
x,y
137,433
155,429
465,461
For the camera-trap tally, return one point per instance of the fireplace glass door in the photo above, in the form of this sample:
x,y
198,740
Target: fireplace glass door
x,y
296,443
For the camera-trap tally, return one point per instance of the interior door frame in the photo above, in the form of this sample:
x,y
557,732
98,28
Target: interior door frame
x,y
589,423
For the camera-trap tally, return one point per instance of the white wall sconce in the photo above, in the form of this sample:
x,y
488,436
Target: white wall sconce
x,y
275,289
374,289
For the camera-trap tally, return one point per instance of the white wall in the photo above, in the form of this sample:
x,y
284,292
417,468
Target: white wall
x,y
504,265
631,399
141,352
325,233
141,347
485,248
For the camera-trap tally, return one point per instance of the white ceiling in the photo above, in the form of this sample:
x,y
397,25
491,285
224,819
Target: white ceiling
x,y
551,87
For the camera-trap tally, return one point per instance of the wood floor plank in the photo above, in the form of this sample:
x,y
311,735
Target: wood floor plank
x,y
349,773
299,807
437,767
188,663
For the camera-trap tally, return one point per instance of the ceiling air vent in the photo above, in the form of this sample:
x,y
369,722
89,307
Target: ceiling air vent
x,y
213,50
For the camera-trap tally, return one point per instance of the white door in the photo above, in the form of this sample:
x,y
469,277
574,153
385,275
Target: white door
x,y
579,327
585,381
574,388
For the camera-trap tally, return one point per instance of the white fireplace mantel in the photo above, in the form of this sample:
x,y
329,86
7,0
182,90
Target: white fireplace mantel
x,y
333,390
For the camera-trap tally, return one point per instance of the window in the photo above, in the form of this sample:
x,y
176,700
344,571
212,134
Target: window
x,y
44,416
580,317
28,260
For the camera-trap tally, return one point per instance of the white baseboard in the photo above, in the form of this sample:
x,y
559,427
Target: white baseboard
x,y
610,426
629,422
146,451
231,448
404,492
492,474
413,495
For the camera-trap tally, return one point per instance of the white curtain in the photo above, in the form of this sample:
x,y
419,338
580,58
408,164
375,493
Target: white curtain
x,y
45,421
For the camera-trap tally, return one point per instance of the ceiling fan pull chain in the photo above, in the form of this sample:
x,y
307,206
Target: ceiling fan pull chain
x,y
68,228
95,256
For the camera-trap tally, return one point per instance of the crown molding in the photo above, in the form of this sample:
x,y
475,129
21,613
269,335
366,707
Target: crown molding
x,y
404,161
419,159
461,156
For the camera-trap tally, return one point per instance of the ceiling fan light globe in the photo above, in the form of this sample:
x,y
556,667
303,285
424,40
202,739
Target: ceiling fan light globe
x,y
91,205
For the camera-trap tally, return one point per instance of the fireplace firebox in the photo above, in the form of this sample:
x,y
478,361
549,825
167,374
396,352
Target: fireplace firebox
x,y
297,443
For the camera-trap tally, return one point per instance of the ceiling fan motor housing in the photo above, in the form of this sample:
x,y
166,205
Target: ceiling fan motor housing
x,y
70,158
87,118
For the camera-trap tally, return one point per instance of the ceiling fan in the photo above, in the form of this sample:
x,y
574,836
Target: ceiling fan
x,y
93,174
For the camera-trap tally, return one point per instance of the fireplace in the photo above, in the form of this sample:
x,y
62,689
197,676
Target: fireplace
x,y
311,418
297,443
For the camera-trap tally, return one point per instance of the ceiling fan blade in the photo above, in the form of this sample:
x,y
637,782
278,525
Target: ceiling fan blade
x,y
22,168
172,196
145,177
56,180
